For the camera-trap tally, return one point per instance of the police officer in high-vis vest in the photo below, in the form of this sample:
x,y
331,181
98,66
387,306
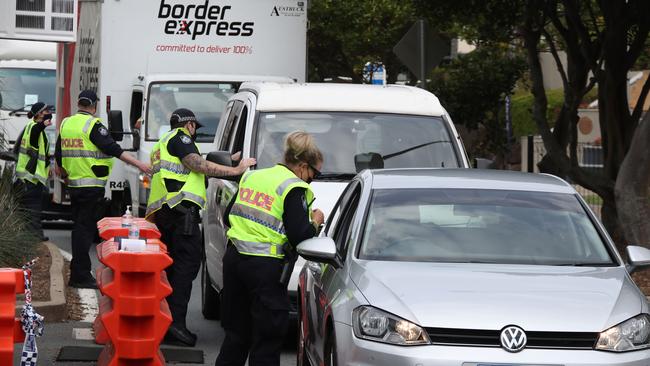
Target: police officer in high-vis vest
x,y
270,216
84,155
177,195
32,168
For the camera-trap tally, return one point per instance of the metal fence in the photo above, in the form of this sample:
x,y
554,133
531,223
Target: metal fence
x,y
590,157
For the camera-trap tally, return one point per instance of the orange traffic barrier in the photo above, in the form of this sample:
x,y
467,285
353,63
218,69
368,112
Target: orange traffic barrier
x,y
134,315
111,227
12,282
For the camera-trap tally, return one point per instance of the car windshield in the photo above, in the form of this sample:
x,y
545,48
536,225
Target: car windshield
x,y
402,141
20,88
206,100
481,226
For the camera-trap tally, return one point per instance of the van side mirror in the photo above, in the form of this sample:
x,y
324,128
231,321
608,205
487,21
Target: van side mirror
x,y
639,257
369,160
480,163
115,125
222,158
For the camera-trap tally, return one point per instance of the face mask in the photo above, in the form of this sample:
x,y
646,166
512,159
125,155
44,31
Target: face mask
x,y
47,117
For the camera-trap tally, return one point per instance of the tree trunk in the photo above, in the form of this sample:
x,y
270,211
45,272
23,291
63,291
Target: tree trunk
x,y
633,188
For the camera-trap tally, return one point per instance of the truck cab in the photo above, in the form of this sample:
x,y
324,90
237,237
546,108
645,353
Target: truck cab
x,y
355,126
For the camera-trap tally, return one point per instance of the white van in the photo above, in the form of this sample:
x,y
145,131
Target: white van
x,y
355,126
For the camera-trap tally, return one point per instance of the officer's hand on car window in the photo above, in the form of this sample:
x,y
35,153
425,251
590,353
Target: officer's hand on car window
x,y
318,217
245,163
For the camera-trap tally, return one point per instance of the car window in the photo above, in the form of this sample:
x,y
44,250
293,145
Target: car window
x,y
484,226
333,219
227,121
342,231
238,136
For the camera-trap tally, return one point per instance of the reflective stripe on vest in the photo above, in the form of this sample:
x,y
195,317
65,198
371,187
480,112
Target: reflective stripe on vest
x,y
259,217
260,249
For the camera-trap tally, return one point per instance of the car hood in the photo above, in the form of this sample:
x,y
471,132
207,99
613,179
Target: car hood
x,y
326,193
486,296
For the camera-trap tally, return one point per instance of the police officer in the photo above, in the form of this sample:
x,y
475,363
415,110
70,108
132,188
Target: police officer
x,y
271,212
177,194
33,164
84,154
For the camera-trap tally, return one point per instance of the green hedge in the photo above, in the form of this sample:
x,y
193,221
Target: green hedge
x,y
522,111
17,241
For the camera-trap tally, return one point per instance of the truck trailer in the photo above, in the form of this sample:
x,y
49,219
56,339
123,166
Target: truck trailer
x,y
146,58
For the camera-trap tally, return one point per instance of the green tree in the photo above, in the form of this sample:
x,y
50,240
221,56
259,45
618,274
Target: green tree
x,y
603,40
473,87
344,35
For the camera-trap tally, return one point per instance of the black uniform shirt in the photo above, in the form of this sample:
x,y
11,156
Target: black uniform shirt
x,y
100,137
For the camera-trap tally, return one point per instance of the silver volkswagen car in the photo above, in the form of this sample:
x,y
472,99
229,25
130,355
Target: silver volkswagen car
x,y
468,268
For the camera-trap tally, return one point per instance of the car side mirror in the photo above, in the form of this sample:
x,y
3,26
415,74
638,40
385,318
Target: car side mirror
x,y
368,161
223,158
321,249
639,257
115,125
480,163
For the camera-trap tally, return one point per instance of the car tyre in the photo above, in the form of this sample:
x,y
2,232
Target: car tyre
x,y
210,302
301,351
330,349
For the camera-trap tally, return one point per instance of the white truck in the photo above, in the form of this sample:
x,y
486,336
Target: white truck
x,y
146,58
27,75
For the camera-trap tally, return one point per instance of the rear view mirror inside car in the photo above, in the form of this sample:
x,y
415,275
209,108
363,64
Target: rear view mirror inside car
x,y
368,161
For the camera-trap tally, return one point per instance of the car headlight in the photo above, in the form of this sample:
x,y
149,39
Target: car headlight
x,y
631,335
377,325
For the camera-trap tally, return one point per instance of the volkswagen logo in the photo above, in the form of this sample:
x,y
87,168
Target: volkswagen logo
x,y
513,338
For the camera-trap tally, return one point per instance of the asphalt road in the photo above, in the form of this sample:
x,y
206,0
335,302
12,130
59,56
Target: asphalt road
x,y
210,334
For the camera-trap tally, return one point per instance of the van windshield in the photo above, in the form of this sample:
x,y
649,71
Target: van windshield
x,y
206,100
20,88
402,141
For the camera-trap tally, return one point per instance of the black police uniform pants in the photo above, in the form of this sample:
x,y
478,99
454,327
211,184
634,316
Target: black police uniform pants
x,y
185,250
85,204
254,310
31,200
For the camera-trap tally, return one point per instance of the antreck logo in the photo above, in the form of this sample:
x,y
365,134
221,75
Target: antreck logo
x,y
202,19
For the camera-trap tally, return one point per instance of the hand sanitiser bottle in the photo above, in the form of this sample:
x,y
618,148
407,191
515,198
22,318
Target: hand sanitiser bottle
x,y
127,218
134,231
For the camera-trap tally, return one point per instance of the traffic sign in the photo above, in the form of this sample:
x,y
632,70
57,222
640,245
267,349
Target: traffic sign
x,y
420,49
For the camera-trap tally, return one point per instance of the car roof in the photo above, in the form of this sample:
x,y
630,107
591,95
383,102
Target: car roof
x,y
310,97
467,179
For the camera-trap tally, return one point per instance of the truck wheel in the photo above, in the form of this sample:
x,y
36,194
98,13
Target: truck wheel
x,y
210,302
119,201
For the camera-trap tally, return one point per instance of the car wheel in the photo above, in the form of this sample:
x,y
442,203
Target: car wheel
x,y
301,351
330,349
210,302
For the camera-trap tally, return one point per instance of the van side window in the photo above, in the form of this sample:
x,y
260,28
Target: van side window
x,y
238,142
136,107
231,124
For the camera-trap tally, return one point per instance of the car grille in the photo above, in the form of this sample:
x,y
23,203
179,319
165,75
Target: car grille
x,y
491,338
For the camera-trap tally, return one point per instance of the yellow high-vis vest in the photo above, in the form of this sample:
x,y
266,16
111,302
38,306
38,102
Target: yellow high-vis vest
x,y
79,154
28,152
167,166
256,226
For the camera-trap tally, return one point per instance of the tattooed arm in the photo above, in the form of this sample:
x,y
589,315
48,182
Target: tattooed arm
x,y
196,163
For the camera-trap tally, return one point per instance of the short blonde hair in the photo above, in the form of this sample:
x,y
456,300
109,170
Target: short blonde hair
x,y
299,146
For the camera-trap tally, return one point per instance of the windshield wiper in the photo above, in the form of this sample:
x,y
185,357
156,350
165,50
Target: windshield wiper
x,y
335,176
388,156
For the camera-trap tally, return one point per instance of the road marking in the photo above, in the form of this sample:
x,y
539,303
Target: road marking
x,y
83,334
88,297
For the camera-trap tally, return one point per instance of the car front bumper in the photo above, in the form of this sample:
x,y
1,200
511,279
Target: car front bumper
x,y
353,351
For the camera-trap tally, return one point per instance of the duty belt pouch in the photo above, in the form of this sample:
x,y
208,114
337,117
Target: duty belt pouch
x,y
189,219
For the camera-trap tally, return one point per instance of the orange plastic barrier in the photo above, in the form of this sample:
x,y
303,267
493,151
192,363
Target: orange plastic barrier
x,y
133,314
12,282
111,227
